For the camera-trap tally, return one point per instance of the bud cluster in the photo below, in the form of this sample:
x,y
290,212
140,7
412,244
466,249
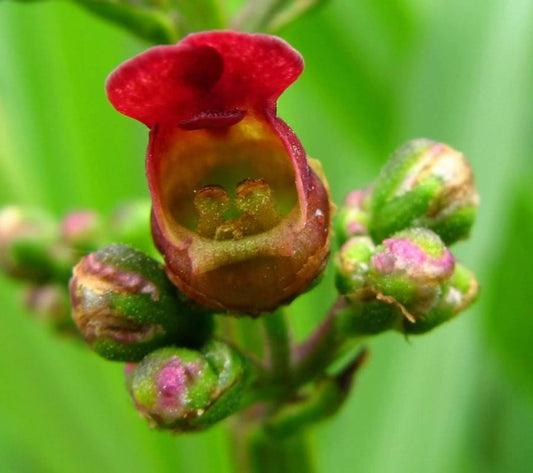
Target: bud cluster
x,y
393,268
40,251
127,309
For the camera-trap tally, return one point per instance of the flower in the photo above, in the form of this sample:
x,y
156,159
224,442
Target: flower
x,y
81,229
239,215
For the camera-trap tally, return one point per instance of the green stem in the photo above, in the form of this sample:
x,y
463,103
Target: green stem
x,y
255,451
289,370
327,344
278,344
267,437
250,337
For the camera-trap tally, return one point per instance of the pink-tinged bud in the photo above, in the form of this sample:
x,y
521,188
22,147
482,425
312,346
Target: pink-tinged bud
x,y
50,304
29,246
362,312
179,389
239,215
352,264
409,270
353,217
82,230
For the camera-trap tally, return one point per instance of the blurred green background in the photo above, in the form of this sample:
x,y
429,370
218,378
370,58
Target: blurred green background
x,y
377,74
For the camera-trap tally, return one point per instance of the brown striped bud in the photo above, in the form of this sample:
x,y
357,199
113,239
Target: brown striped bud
x,y
125,307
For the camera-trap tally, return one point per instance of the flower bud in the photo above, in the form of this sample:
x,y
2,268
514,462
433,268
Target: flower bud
x,y
82,230
457,295
182,390
425,184
125,306
409,270
352,264
50,304
353,217
361,312
29,247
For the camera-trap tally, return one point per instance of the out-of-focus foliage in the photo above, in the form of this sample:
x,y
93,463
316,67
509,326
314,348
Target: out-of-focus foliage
x,y
509,314
377,74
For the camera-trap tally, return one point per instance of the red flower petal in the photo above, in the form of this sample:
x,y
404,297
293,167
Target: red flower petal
x,y
209,74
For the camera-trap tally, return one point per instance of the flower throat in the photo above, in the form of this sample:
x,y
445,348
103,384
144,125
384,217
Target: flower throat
x,y
253,206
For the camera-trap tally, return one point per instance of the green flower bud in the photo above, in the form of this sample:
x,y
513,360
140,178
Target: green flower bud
x,y
457,295
125,306
410,269
425,184
29,247
353,216
352,264
362,313
182,390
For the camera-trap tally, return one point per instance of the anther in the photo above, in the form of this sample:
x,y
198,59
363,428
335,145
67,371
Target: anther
x,y
254,200
211,202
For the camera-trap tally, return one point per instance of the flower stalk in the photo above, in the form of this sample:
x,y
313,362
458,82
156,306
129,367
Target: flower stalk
x,y
278,343
257,451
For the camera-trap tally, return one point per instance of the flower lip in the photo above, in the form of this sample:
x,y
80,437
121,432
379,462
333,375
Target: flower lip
x,y
217,71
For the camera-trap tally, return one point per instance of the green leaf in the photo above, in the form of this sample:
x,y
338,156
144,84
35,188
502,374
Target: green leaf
x,y
158,21
145,18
